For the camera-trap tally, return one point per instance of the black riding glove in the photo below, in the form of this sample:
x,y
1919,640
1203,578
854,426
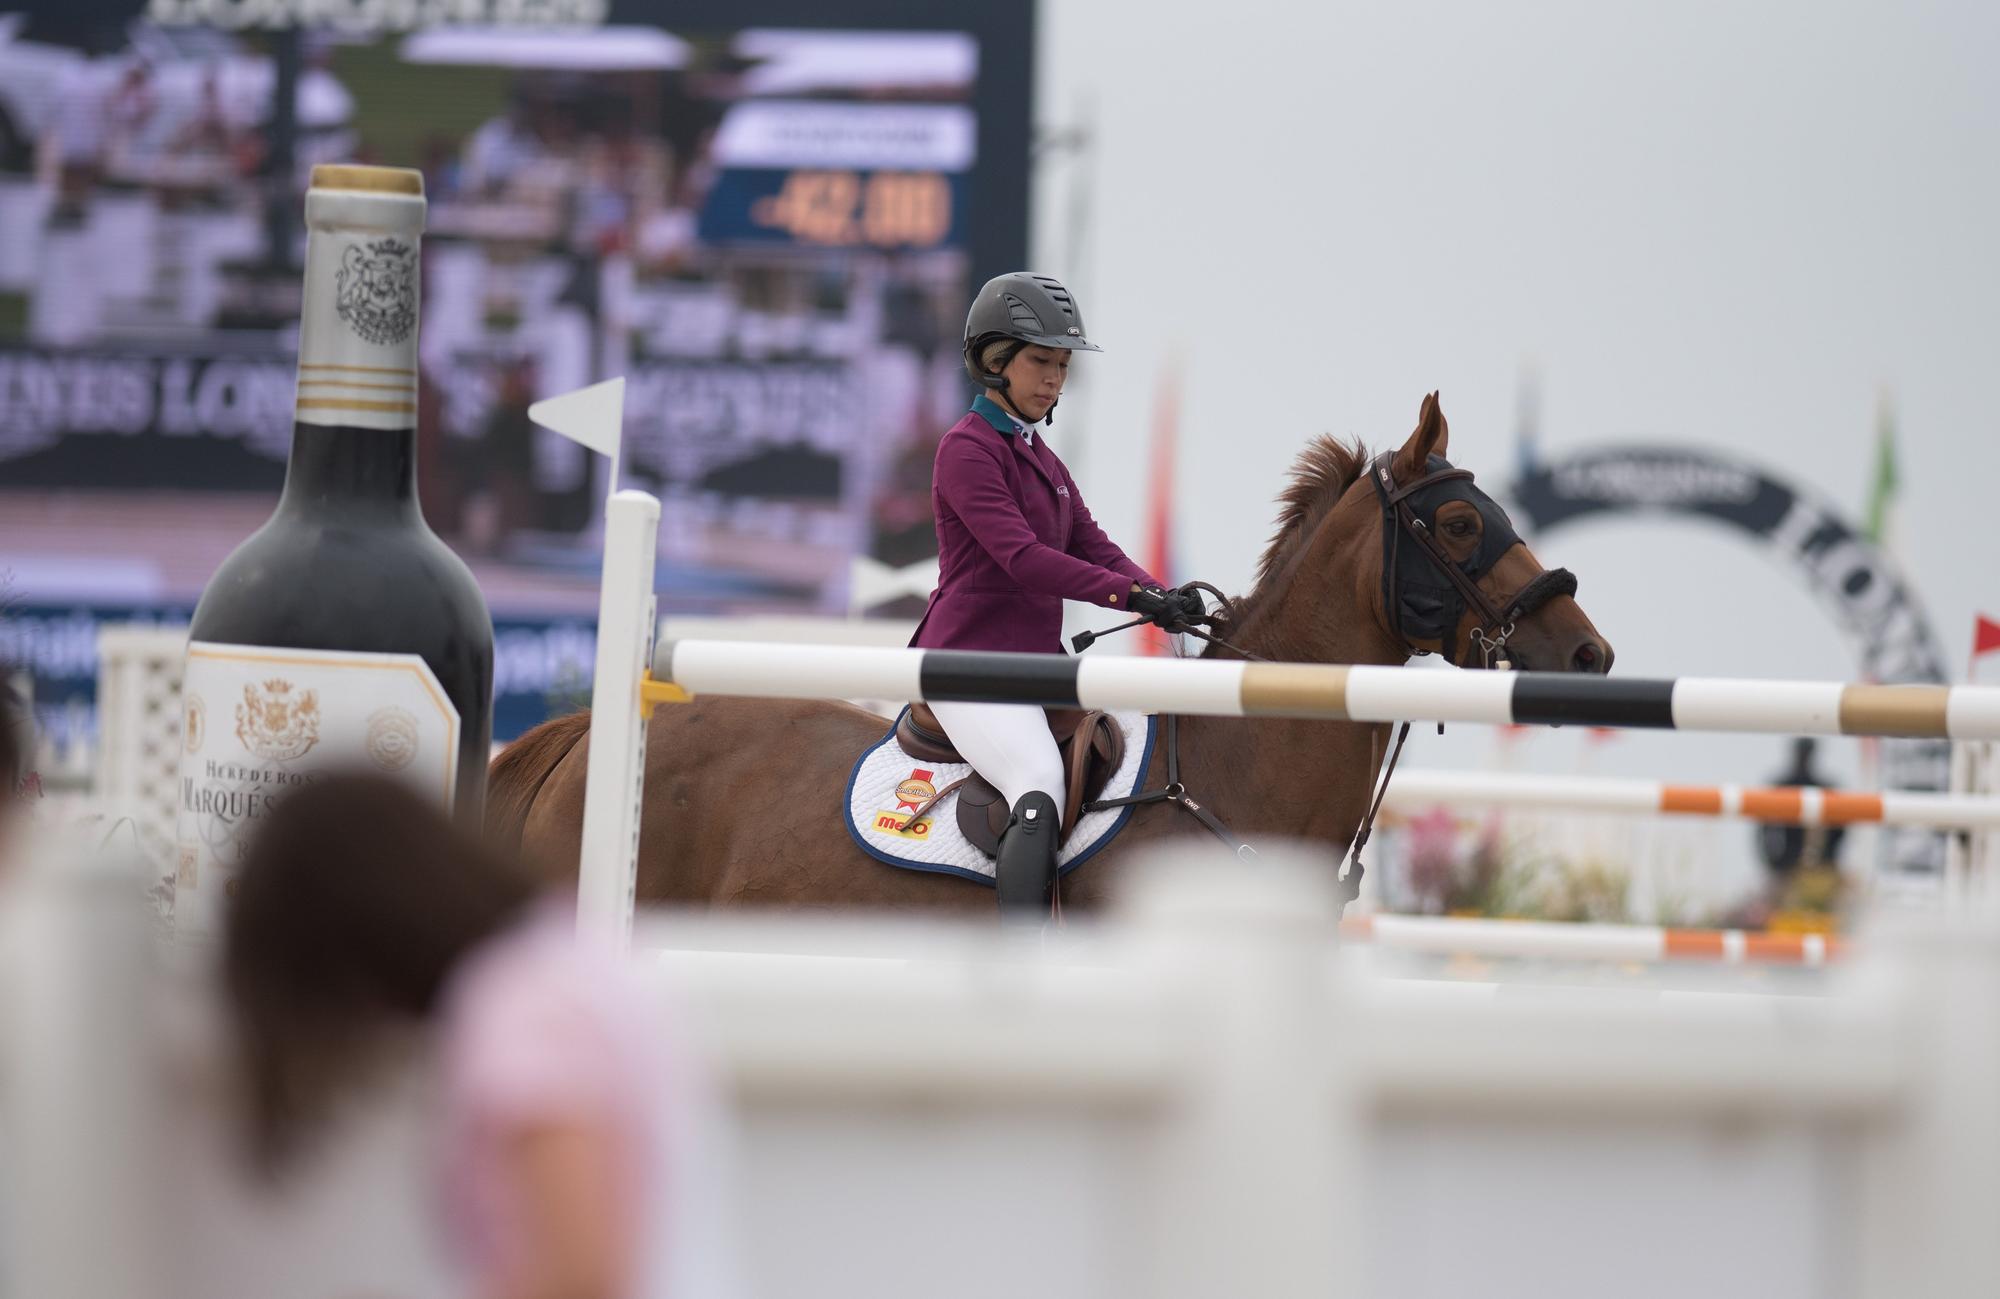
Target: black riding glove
x,y
1159,606
1193,607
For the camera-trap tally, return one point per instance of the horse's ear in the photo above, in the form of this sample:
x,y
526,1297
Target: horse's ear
x,y
1432,438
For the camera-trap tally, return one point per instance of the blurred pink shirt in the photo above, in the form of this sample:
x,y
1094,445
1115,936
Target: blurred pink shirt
x,y
539,1026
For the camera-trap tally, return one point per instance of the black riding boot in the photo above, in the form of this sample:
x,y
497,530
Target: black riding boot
x,y
1025,867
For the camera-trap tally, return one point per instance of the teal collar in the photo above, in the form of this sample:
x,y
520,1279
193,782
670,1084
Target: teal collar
x,y
993,413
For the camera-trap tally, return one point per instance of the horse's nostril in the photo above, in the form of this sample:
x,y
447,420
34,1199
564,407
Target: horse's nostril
x,y
1587,658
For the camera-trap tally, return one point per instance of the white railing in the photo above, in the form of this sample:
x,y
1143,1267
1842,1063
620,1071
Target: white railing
x,y
1195,1099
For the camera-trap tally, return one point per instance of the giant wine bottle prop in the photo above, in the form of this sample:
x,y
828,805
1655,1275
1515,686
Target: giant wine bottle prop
x,y
343,634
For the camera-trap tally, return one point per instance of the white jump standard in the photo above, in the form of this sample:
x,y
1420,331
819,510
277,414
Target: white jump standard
x,y
1233,688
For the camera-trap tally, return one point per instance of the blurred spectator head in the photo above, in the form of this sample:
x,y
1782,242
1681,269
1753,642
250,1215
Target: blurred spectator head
x,y
15,729
356,899
19,785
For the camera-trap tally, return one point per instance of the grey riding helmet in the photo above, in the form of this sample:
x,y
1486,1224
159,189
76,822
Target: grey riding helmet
x,y
1025,306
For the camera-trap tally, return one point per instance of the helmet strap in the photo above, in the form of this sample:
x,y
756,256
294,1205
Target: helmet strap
x,y
998,383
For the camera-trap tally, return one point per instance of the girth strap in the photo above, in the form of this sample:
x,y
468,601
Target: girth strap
x,y
1176,793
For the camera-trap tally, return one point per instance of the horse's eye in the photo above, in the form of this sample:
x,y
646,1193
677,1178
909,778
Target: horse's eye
x,y
1459,528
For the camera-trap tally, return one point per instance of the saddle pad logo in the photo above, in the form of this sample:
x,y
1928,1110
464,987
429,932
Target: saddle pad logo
x,y
909,795
887,787
891,823
915,791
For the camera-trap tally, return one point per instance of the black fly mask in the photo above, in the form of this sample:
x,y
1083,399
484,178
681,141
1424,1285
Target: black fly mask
x,y
1425,591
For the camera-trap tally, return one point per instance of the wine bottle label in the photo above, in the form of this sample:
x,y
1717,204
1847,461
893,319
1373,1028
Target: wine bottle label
x,y
358,330
260,722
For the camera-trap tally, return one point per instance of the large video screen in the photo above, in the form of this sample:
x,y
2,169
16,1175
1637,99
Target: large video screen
x,y
771,230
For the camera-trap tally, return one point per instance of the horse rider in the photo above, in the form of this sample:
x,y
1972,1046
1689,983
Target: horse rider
x,y
1014,541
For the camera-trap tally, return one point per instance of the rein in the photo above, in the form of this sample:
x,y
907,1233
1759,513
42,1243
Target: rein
x,y
1083,640
1175,792
1347,882
1398,520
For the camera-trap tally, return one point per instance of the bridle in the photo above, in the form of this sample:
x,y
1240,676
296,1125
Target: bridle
x,y
1406,601
1425,605
1429,610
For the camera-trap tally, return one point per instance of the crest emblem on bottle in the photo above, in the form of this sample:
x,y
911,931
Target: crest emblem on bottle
x,y
275,722
392,738
375,290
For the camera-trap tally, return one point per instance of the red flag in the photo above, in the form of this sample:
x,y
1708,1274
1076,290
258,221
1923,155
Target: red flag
x,y
1160,499
1985,636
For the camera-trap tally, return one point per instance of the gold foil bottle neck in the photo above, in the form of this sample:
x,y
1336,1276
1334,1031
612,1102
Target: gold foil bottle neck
x,y
370,180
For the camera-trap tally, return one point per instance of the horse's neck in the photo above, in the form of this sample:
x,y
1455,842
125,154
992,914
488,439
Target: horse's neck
x,y
1284,778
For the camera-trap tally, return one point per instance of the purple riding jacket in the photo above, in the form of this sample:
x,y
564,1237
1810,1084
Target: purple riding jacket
x,y
1014,542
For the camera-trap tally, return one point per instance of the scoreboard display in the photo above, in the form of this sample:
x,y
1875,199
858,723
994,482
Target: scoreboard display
x,y
768,215
842,209
834,175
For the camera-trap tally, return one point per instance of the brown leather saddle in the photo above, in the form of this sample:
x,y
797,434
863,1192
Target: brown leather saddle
x,y
1092,745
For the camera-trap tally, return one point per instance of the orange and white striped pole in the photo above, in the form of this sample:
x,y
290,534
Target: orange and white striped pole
x,y
1648,944
1415,790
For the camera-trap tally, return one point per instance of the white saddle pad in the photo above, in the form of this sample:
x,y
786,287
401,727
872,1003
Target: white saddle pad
x,y
888,784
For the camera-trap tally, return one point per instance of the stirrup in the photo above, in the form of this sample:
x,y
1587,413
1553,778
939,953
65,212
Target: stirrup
x,y
1025,868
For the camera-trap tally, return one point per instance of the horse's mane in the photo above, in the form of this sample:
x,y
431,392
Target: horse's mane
x,y
1320,477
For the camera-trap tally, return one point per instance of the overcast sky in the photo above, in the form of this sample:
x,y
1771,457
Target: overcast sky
x,y
1721,224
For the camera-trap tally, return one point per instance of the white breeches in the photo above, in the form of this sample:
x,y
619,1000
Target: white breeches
x,y
1009,744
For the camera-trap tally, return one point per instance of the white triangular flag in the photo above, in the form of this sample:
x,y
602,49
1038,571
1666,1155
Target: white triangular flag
x,y
872,582
594,416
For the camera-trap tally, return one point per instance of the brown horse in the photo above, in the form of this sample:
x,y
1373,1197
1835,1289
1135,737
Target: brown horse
x,y
744,797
